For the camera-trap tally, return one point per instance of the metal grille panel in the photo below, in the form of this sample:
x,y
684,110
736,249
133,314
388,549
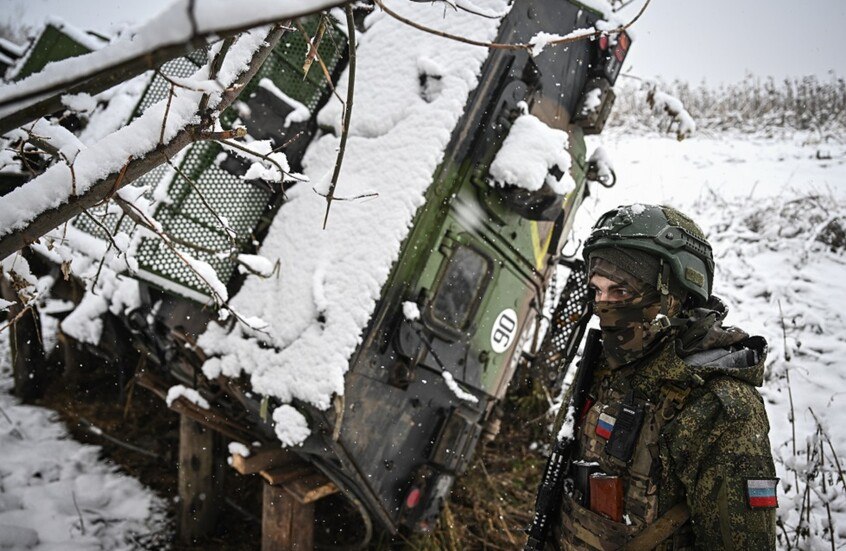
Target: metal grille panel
x,y
187,217
557,347
181,67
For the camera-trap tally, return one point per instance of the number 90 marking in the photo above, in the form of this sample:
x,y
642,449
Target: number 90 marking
x,y
504,330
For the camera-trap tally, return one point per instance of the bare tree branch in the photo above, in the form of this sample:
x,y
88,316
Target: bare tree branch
x,y
501,46
347,113
214,69
121,70
323,67
135,168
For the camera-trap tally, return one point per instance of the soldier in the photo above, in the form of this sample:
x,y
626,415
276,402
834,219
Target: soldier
x,y
672,445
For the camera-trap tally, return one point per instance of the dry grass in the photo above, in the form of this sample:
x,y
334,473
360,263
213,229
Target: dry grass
x,y
492,503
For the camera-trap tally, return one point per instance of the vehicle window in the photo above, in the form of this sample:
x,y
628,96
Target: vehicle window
x,y
460,288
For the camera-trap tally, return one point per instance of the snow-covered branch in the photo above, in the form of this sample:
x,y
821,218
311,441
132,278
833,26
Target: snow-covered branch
x,y
183,27
609,26
123,156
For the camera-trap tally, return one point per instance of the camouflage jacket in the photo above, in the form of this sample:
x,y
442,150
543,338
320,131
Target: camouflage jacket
x,y
703,441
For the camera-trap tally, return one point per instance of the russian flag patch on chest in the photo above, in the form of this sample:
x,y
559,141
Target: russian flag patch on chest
x,y
761,493
605,425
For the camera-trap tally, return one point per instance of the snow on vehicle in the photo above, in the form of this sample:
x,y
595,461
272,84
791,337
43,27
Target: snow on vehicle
x,y
388,340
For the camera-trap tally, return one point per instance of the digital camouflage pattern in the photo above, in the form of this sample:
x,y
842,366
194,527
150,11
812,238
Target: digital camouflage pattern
x,y
704,435
630,328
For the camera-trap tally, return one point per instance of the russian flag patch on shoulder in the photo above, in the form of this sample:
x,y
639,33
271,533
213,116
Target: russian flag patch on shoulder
x,y
761,493
605,425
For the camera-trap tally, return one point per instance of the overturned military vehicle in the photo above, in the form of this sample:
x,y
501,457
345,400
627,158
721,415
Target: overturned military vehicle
x,y
379,349
421,378
387,348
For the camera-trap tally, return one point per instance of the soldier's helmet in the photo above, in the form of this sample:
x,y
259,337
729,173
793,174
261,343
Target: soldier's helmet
x,y
663,232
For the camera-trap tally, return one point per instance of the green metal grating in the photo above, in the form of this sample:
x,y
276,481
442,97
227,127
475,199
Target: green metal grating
x,y
189,219
186,218
284,67
181,67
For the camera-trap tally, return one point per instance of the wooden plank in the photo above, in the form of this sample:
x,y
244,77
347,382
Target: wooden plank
x,y
311,488
283,475
200,480
286,524
217,421
262,461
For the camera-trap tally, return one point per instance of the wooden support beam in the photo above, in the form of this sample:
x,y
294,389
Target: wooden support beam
x,y
286,524
212,418
283,475
310,488
200,480
262,461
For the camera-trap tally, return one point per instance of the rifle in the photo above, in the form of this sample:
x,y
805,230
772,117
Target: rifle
x,y
557,468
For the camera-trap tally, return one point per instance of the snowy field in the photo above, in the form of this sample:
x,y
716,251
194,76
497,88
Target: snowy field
x,y
768,206
57,494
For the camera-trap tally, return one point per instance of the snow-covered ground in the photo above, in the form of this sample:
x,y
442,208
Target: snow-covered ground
x,y
57,494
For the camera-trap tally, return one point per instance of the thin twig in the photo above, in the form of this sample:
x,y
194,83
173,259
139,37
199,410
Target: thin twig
x,y
15,431
347,113
73,176
323,66
824,489
96,431
41,143
170,95
474,12
139,217
264,157
792,423
177,84
833,452
214,69
196,188
79,513
192,17
288,142
353,198
18,316
109,236
221,135
117,184
313,44
53,151
623,5
500,46
783,332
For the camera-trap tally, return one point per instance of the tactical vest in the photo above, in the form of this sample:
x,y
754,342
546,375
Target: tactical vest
x,y
633,454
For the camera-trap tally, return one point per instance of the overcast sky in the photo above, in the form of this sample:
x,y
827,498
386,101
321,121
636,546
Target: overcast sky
x,y
695,40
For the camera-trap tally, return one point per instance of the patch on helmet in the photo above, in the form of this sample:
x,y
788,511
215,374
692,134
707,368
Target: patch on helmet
x,y
761,493
605,425
694,276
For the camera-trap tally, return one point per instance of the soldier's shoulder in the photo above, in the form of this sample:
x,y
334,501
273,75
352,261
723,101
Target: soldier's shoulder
x,y
730,376
738,399
721,401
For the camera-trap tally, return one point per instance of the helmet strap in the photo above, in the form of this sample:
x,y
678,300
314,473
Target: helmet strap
x,y
664,286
